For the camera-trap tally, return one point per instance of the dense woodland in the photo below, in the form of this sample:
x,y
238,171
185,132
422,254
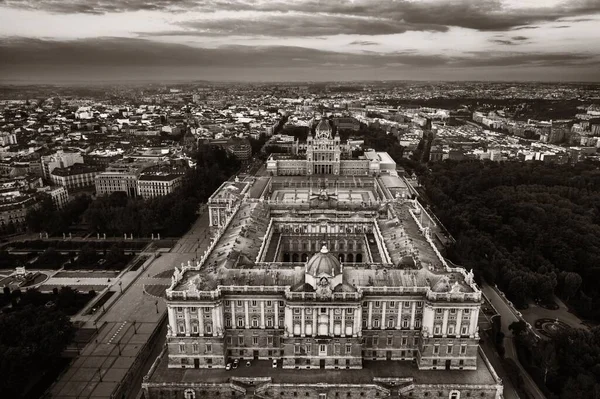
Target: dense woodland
x,y
116,214
533,229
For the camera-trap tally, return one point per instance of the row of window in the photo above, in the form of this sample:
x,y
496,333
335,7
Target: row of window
x,y
374,341
392,304
450,349
190,394
450,329
391,323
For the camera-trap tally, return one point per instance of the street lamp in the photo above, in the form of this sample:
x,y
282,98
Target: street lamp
x,y
156,303
121,286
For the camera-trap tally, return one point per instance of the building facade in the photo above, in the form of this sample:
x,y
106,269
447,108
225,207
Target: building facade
x,y
324,155
321,275
76,176
153,185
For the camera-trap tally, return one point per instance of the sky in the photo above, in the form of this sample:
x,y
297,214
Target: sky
x,y
54,41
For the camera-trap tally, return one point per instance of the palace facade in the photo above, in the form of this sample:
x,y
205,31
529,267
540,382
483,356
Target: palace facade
x,y
335,280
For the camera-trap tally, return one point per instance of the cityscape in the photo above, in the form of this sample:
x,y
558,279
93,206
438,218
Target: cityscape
x,y
256,199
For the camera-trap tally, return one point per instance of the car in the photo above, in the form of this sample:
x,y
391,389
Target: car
x,y
248,363
236,363
228,367
274,363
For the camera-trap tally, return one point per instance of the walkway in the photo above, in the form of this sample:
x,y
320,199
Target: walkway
x,y
130,319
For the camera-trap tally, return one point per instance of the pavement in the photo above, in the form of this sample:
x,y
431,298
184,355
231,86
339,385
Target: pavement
x,y
131,318
535,312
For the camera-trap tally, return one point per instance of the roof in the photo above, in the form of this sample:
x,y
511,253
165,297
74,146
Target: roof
x,y
323,262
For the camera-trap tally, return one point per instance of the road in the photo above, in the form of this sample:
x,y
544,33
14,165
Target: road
x,y
508,317
128,324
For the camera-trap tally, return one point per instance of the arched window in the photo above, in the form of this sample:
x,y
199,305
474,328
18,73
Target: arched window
x,y
189,394
454,395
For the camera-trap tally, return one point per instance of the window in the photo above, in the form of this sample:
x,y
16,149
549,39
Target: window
x,y
407,304
195,348
463,349
466,311
392,304
181,328
206,310
449,350
376,323
253,304
375,341
439,311
281,303
228,322
404,341
436,349
349,311
269,322
181,348
194,328
208,348
454,395
390,340
297,311
417,323
450,330
464,330
254,322
227,303
240,322
437,330
269,340
230,340
377,304
239,303
365,304
269,303
405,323
189,394
208,328
390,323
348,349
241,340
255,340
452,311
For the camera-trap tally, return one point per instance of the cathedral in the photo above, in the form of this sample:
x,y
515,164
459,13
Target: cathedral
x,y
325,155
321,285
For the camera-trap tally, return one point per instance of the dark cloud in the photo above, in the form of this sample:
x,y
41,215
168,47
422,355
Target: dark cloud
x,y
363,43
519,38
293,25
119,52
485,15
503,41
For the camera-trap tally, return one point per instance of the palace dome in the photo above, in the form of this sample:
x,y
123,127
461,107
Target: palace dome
x,y
323,129
323,262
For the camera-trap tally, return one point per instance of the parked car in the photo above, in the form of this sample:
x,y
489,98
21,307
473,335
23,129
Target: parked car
x,y
236,363
248,363
274,363
228,367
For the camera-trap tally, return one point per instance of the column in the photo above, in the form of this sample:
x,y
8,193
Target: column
x,y
188,326
357,322
172,322
233,318
370,315
458,321
262,314
445,323
413,311
399,319
331,316
474,317
383,305
276,311
314,331
343,322
247,314
302,325
215,320
201,321
289,328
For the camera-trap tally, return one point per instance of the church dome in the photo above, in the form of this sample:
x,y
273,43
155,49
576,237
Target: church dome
x,y
323,262
323,129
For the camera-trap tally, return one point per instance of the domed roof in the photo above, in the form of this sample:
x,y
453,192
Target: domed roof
x,y
323,129
323,262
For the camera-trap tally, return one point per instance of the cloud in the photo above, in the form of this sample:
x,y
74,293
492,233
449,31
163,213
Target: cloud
x,y
119,52
363,43
519,38
301,24
484,15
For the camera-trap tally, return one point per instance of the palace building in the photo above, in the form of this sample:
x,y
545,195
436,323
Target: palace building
x,y
330,286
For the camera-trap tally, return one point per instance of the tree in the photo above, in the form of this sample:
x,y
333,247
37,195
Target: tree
x,y
548,359
30,338
571,284
518,327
